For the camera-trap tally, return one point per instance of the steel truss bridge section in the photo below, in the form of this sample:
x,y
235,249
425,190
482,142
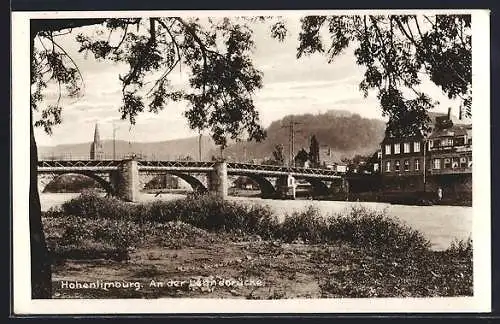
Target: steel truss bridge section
x,y
65,166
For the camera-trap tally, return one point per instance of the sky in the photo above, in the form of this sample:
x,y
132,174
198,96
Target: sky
x,y
291,86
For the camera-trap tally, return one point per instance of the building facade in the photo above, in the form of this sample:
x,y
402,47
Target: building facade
x,y
442,160
96,148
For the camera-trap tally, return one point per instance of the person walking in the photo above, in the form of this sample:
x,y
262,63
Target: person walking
x,y
440,193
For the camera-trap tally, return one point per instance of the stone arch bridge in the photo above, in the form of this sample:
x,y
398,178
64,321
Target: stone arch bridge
x,y
125,178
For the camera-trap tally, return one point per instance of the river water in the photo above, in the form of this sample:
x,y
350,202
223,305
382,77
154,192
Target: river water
x,y
440,224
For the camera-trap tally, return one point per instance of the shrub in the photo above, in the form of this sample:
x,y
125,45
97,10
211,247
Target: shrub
x,y
307,225
212,213
203,211
461,248
260,220
77,231
358,226
91,205
376,231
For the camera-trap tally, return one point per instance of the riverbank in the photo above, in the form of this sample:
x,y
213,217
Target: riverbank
x,y
221,249
440,224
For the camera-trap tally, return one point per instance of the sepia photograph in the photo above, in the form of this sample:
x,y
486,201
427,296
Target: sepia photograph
x,y
226,161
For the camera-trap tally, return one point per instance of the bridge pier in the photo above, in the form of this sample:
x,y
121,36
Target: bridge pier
x,y
218,183
286,187
345,187
127,186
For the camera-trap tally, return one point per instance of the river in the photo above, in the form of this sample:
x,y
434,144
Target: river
x,y
440,224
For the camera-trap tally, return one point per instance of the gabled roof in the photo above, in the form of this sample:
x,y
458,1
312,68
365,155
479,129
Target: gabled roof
x,y
464,121
455,130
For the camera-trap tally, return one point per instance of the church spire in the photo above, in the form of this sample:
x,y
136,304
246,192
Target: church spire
x,y
96,149
97,138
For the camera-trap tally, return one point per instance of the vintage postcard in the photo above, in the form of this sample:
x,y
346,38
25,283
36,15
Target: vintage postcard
x,y
251,162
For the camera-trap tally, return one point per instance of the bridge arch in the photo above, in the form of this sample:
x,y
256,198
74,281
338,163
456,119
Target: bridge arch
x,y
319,187
267,189
106,185
194,182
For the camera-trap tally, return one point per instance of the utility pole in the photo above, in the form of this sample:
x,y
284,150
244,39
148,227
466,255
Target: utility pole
x,y
424,164
199,145
291,127
114,141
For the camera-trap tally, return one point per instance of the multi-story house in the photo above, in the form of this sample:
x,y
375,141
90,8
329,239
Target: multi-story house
x,y
443,159
450,150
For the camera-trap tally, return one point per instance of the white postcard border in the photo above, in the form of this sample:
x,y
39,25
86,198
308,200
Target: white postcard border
x,y
23,304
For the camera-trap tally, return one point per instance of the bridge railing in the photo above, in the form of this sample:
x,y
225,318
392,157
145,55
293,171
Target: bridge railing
x,y
78,164
83,157
278,168
194,164
197,165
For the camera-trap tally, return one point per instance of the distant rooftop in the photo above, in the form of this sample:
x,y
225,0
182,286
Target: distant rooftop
x,y
454,119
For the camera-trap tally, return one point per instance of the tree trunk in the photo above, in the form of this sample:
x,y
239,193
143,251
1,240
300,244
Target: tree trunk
x,y
41,278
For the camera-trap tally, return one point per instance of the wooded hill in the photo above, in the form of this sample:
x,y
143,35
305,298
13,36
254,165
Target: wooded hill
x,y
347,134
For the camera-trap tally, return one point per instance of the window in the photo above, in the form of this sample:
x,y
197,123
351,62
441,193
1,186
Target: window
x,y
447,142
454,163
459,141
387,149
406,148
437,164
407,164
416,146
463,162
431,144
397,148
470,162
417,165
396,165
387,166
447,163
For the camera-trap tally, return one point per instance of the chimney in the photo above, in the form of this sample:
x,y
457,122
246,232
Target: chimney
x,y
449,113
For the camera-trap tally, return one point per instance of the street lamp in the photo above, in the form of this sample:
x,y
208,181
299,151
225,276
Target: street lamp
x,y
424,162
199,145
114,140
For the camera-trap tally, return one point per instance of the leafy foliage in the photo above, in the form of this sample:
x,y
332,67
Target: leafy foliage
x,y
314,152
278,156
217,53
301,157
395,50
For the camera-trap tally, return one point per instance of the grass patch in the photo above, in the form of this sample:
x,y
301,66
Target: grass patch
x,y
118,222
382,256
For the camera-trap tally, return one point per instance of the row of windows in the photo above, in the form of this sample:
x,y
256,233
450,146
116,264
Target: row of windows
x,y
444,142
452,163
406,148
446,163
406,165
448,141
